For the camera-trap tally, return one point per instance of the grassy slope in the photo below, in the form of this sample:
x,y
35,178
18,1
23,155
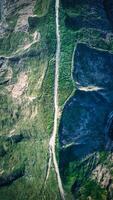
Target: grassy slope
x,y
32,151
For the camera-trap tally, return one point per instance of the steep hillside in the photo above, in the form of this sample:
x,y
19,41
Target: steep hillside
x,y
56,76
85,131
27,60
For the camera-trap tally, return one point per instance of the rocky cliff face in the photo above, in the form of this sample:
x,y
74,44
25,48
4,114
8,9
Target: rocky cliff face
x,y
86,124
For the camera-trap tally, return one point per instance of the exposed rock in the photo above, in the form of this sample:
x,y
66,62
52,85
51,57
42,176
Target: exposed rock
x,y
6,72
20,86
18,6
22,22
85,114
82,125
18,9
3,29
102,175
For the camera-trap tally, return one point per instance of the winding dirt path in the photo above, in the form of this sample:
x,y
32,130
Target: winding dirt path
x,y
52,153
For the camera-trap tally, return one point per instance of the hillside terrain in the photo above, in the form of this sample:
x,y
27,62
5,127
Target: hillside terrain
x,y
56,99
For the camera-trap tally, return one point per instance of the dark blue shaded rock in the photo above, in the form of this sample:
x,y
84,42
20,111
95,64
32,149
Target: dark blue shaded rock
x,y
93,67
108,6
89,14
83,122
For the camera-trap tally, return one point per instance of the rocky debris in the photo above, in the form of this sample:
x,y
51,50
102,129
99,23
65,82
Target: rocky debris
x,y
3,24
20,86
8,179
17,5
20,10
102,175
3,10
24,14
3,29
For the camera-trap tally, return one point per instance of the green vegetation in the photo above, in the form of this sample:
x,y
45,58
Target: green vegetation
x,y
92,190
41,7
31,152
103,157
33,115
33,23
66,84
8,113
78,173
34,118
69,40
12,20
13,41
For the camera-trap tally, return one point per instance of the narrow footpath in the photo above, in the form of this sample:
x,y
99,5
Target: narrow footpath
x,y
52,143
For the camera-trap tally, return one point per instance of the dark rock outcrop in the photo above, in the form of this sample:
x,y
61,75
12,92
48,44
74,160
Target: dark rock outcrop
x,y
82,127
108,6
93,67
90,14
